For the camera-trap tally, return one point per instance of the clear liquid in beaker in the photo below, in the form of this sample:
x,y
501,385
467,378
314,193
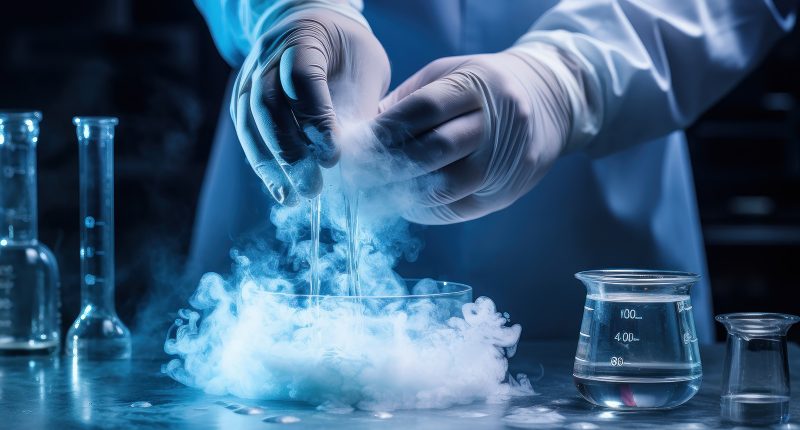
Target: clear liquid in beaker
x,y
754,408
637,351
28,309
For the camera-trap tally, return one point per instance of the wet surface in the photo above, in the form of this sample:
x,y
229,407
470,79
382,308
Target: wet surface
x,y
44,393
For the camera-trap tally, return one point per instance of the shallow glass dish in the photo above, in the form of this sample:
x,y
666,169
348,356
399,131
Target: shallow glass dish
x,y
439,300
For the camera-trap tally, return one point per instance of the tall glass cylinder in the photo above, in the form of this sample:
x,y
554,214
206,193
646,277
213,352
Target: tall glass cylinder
x,y
97,333
29,281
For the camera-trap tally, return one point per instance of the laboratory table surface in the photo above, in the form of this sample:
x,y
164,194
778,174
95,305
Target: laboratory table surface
x,y
56,393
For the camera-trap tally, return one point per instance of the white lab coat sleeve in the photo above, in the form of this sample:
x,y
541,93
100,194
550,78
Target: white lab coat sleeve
x,y
640,69
237,24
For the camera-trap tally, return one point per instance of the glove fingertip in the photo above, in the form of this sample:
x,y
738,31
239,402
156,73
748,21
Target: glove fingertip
x,y
276,191
290,198
323,144
306,177
276,184
435,215
282,195
387,102
309,188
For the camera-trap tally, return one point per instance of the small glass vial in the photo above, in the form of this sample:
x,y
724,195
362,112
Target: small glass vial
x,y
97,333
29,281
755,382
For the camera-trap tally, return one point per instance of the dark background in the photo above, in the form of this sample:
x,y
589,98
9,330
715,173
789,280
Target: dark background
x,y
153,64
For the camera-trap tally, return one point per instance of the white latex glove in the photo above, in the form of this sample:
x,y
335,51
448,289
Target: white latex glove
x,y
478,131
285,99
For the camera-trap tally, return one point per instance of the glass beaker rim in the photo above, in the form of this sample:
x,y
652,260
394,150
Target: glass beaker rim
x,y
637,276
755,317
757,323
95,120
20,115
459,289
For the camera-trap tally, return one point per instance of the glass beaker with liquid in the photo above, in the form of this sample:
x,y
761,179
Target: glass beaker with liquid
x,y
97,333
637,348
29,280
755,381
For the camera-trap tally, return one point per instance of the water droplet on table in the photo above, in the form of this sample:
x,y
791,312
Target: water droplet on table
x,y
335,408
141,404
282,419
581,426
468,414
249,410
606,415
533,417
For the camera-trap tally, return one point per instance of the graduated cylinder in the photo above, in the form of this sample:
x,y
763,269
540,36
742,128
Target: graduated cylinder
x,y
97,333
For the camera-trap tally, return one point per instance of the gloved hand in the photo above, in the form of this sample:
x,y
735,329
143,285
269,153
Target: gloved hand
x,y
298,75
476,132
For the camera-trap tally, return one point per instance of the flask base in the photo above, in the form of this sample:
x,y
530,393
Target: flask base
x,y
25,347
98,335
99,349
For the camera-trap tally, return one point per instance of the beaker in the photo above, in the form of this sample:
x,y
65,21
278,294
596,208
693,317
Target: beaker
x,y
29,281
97,333
637,348
755,382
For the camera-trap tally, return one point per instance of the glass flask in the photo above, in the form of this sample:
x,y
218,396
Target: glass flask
x,y
755,382
97,333
637,348
29,281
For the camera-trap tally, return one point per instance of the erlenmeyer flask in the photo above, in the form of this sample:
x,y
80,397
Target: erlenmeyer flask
x,y
755,382
637,348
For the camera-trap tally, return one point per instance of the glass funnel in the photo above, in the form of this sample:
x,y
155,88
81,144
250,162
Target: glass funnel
x,y
755,382
637,348
29,281
97,333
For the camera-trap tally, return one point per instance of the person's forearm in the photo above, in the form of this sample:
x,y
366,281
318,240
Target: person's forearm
x,y
236,24
641,69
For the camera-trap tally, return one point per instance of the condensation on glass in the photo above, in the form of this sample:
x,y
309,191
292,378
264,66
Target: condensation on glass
x,y
97,332
755,380
637,347
29,280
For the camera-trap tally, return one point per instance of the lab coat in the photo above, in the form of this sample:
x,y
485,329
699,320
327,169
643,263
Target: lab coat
x,y
626,200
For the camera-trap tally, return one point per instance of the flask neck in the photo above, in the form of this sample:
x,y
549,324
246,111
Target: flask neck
x,y
98,297
18,211
96,157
